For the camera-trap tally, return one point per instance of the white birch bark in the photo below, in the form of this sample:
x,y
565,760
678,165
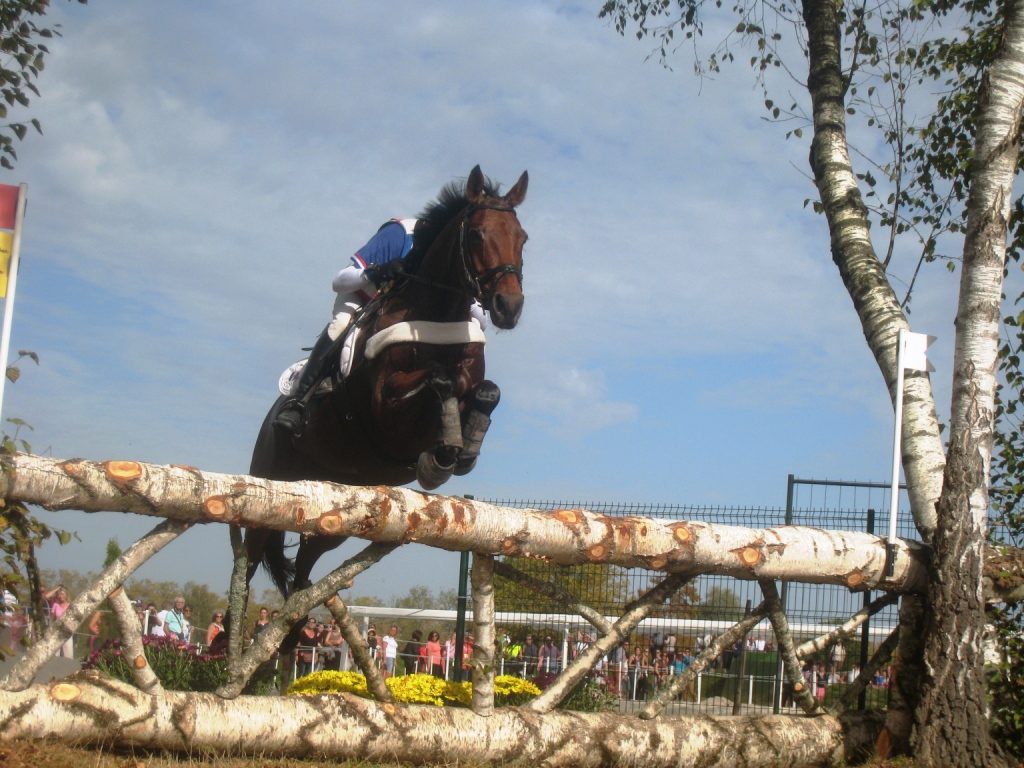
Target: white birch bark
x,y
359,649
952,718
400,515
482,580
97,710
863,274
131,639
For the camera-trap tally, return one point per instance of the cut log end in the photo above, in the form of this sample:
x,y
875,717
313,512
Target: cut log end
x,y
749,556
65,692
329,524
140,661
122,471
215,507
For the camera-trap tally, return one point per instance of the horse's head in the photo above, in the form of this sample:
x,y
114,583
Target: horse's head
x,y
492,247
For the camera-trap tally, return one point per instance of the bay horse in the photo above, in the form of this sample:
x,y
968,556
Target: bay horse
x,y
415,405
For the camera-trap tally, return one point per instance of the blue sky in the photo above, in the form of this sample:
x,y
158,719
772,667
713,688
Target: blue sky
x,y
206,168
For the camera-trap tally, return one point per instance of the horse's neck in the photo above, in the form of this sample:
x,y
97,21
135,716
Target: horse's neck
x,y
439,293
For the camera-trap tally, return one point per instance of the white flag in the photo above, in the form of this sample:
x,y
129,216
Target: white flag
x,y
914,349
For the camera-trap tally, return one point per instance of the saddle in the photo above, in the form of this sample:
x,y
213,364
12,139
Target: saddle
x,y
418,331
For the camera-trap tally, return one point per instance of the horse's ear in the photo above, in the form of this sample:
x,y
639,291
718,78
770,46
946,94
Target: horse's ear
x,y
517,194
475,185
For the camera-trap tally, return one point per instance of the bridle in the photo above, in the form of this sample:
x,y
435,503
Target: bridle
x,y
481,287
476,287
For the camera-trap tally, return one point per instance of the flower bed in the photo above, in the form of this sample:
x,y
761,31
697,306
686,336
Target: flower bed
x,y
509,691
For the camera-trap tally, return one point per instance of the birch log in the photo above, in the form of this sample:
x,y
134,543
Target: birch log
x,y
92,709
400,515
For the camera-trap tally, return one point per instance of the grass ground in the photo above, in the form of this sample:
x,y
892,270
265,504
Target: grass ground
x,y
23,753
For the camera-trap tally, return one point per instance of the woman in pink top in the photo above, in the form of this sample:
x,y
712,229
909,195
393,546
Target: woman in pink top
x,y
58,599
432,652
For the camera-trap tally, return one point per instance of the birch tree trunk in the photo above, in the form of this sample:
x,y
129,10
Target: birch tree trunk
x,y
877,307
951,720
863,275
93,709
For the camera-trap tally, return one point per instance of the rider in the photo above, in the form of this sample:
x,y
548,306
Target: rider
x,y
377,262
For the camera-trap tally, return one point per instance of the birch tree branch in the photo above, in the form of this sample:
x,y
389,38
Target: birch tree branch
x,y
482,579
358,647
296,606
634,613
784,641
21,674
131,639
845,629
699,664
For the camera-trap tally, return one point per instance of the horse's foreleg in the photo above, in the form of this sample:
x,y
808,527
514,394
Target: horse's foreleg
x,y
436,467
482,402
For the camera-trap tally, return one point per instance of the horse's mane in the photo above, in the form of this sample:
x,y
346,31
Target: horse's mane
x,y
451,200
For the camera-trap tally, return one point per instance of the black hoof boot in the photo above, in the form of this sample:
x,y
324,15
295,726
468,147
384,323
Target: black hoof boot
x,y
484,401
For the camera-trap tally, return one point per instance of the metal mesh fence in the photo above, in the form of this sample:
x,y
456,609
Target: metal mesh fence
x,y
747,678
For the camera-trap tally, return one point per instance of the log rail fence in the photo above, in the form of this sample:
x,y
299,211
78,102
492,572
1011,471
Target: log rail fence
x,y
88,707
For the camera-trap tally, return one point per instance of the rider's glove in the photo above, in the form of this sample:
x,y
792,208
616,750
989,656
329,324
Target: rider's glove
x,y
383,273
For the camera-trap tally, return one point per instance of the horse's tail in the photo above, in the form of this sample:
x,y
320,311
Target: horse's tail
x,y
280,567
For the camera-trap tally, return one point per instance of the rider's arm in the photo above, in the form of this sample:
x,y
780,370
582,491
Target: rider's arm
x,y
387,244
351,280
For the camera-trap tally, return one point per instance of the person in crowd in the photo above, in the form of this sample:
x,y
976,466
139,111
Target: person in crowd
x,y
187,624
333,642
821,682
411,653
390,644
59,601
632,664
644,674
449,651
173,621
262,622
433,655
467,654
549,661
373,645
660,668
304,653
8,600
215,628
153,623
219,646
512,651
530,657
616,664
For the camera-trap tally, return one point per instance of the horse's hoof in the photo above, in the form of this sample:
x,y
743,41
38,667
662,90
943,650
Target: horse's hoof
x,y
430,473
464,467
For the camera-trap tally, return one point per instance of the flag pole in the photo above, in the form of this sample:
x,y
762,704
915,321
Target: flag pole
x,y
897,441
12,284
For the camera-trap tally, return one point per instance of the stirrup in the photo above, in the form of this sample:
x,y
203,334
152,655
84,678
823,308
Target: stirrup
x,y
292,417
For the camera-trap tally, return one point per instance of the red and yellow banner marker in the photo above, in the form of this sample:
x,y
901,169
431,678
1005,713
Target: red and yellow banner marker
x,y
12,214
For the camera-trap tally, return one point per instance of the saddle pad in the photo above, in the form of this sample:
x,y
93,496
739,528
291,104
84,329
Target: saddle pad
x,y
426,332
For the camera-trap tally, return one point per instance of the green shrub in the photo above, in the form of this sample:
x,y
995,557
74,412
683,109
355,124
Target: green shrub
x,y
591,695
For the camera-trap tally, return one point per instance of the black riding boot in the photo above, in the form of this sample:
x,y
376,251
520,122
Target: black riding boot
x,y
292,416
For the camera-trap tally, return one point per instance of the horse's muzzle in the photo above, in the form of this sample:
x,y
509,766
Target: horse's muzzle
x,y
506,309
